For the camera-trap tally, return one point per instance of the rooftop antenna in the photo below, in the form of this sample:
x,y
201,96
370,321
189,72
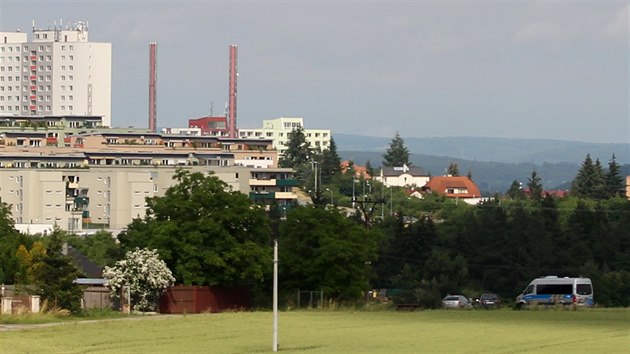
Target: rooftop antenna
x,y
210,109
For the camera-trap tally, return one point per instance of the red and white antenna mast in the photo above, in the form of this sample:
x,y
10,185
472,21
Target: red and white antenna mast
x,y
232,94
152,87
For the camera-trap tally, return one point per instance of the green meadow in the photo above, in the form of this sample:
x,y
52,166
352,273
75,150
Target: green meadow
x,y
438,331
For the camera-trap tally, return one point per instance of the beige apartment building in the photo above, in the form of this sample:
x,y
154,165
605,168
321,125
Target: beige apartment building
x,y
71,172
111,196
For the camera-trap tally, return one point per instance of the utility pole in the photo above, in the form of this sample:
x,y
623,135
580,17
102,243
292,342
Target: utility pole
x,y
275,296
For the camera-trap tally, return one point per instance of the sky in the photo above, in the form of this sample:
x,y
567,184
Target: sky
x,y
511,69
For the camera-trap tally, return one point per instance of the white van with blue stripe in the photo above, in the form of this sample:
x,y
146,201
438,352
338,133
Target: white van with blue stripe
x,y
552,290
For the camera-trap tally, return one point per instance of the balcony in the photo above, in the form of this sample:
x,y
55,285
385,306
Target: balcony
x,y
33,57
33,87
262,182
262,195
32,107
288,182
51,141
286,195
32,77
33,97
33,67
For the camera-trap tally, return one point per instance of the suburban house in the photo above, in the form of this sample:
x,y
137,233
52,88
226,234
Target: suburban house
x,y
457,187
403,176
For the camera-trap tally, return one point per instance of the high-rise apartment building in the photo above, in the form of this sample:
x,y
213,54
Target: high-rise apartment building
x,y
57,72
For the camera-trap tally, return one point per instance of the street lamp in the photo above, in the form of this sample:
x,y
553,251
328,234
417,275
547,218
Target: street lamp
x,y
332,200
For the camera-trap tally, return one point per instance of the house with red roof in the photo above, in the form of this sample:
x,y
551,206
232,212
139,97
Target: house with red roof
x,y
359,171
456,187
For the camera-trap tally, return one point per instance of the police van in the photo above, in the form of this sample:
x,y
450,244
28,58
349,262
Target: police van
x,y
552,290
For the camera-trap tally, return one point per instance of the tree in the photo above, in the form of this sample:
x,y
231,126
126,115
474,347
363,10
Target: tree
x,y
322,249
54,275
612,180
535,186
588,182
453,169
101,248
10,241
330,163
204,232
515,191
146,275
298,152
397,153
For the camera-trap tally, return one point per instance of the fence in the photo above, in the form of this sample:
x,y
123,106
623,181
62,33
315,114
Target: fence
x,y
96,297
197,299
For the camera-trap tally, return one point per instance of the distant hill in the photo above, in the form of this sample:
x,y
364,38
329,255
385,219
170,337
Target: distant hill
x,y
536,151
490,164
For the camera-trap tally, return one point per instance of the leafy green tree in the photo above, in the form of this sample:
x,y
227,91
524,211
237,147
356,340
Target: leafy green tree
x,y
322,249
453,169
613,181
404,245
204,232
447,272
54,274
535,186
101,248
299,151
10,241
397,153
330,163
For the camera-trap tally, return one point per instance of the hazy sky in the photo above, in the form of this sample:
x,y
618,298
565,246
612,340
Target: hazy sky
x,y
515,69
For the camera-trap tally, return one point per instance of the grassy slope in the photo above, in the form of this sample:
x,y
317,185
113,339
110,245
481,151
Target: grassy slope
x,y
585,331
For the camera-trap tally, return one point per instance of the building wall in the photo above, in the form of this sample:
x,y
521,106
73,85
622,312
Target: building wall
x,y
116,193
402,180
58,73
278,130
628,187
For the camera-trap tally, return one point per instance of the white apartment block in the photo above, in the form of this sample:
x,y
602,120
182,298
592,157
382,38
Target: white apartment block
x,y
57,72
278,130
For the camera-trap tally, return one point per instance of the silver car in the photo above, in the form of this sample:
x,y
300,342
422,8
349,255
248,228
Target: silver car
x,y
456,302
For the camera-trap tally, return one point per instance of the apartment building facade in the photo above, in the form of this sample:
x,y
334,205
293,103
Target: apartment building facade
x,y
57,72
111,196
278,131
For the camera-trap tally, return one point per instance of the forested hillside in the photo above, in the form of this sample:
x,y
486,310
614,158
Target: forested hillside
x,y
535,151
491,177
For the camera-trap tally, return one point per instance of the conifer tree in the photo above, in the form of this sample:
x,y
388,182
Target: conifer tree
x,y
588,182
331,163
453,170
397,154
535,186
612,180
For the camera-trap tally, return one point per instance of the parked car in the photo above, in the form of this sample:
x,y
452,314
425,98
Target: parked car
x,y
490,301
456,302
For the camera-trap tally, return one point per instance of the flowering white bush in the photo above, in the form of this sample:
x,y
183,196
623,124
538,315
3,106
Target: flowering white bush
x,y
146,275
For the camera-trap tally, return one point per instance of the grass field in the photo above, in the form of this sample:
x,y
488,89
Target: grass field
x,y
583,331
